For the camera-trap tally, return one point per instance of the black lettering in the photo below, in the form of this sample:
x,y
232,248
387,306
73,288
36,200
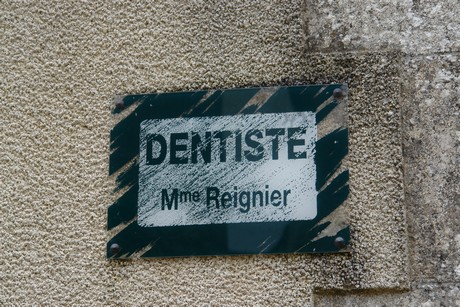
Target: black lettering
x,y
276,133
210,197
196,196
166,201
276,195
174,148
150,159
238,146
266,195
257,146
261,198
226,197
198,146
223,135
246,203
185,196
286,193
295,132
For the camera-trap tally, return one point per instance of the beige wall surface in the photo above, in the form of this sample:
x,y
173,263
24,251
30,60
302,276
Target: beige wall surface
x,y
63,61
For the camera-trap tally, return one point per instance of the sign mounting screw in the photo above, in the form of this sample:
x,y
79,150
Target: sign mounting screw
x,y
338,93
119,105
114,248
339,242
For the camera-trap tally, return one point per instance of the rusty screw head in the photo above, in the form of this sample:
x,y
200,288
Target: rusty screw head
x,y
339,242
338,93
114,248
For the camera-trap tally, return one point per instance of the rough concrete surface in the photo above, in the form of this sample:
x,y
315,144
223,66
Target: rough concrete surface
x,y
63,61
432,172
413,26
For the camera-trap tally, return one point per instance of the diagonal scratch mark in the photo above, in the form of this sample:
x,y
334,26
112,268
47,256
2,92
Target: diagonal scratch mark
x,y
264,241
265,248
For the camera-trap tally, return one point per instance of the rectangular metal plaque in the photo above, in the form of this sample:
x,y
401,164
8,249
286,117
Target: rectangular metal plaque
x,y
236,171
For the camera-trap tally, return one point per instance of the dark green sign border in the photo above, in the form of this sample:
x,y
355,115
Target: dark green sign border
x,y
131,240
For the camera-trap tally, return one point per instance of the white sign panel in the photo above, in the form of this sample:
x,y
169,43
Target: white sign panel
x,y
227,169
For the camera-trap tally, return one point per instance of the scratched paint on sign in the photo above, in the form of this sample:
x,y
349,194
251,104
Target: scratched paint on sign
x,y
227,169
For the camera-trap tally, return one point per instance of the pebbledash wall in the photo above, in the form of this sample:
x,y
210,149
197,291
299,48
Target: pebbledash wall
x,y
63,61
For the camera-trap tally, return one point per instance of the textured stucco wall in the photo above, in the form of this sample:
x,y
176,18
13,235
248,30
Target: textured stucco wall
x,y
63,61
